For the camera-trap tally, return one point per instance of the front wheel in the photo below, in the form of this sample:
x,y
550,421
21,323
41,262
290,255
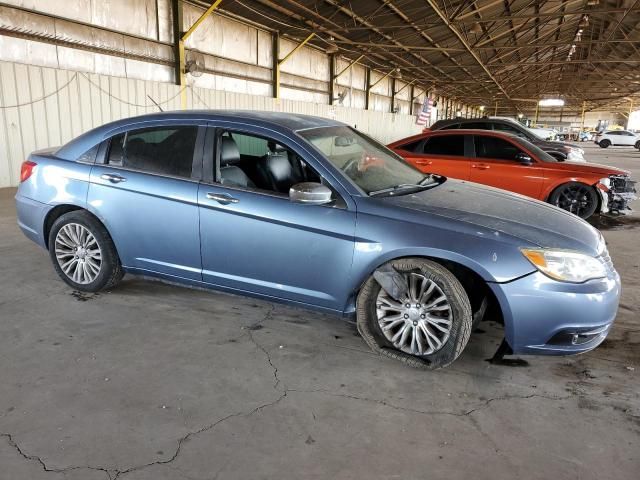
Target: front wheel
x,y
604,143
83,253
428,326
576,198
637,145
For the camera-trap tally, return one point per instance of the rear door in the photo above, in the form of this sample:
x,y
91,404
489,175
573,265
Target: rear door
x,y
145,190
442,154
496,164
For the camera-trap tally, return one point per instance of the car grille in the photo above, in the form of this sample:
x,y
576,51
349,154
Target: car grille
x,y
622,184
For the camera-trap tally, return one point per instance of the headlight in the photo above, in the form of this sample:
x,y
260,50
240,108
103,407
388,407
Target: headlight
x,y
606,182
565,265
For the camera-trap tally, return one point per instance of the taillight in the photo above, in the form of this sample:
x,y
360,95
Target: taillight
x,y
26,170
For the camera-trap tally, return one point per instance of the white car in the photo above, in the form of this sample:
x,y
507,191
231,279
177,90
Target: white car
x,y
617,137
544,133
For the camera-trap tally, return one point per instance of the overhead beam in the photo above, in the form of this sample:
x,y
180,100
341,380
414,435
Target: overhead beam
x,y
201,19
435,7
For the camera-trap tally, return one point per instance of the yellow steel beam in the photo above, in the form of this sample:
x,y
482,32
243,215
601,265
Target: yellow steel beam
x,y
381,78
181,54
345,69
281,61
197,23
297,47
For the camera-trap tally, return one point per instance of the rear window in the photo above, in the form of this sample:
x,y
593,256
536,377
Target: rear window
x,y
445,145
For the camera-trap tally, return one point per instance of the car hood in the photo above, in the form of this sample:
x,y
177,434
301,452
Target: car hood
x,y
554,144
515,215
588,168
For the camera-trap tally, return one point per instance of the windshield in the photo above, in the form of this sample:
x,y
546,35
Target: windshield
x,y
370,165
537,151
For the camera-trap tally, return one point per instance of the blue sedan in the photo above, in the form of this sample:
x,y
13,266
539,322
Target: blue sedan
x,y
311,212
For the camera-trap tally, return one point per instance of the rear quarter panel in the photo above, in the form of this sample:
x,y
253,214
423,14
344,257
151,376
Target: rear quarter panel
x,y
54,182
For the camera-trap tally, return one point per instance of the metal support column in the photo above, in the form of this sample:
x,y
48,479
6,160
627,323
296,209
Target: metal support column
x,y
367,82
275,71
332,77
180,39
393,94
584,107
411,99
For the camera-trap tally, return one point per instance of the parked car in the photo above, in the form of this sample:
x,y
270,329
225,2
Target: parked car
x,y
617,138
559,150
585,136
543,133
510,162
310,212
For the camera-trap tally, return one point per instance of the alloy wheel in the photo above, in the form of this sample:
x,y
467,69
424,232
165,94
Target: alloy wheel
x,y
421,323
78,253
575,199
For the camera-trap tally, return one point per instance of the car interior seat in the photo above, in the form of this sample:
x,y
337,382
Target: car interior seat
x,y
230,172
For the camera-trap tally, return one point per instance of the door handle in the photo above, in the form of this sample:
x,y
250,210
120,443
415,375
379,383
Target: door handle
x,y
113,178
222,198
481,166
424,162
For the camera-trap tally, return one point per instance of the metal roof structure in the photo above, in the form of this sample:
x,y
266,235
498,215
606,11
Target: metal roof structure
x,y
513,52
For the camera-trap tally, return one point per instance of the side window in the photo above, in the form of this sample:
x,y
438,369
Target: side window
x,y
412,147
494,147
90,155
503,127
258,163
163,150
477,126
453,126
445,145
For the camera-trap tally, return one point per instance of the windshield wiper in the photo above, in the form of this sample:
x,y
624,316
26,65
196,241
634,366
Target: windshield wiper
x,y
424,183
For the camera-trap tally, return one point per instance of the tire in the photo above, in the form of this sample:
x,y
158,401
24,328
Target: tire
x,y
637,145
83,253
575,197
371,297
604,143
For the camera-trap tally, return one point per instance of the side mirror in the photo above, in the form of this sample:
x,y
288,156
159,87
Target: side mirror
x,y
523,158
311,193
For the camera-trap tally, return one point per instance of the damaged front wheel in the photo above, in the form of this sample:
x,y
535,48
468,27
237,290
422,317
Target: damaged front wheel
x,y
415,310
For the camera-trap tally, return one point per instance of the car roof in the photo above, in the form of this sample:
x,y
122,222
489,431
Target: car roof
x,y
457,131
280,121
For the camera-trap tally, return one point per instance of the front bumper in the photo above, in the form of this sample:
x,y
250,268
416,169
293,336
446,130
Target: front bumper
x,y
617,198
546,317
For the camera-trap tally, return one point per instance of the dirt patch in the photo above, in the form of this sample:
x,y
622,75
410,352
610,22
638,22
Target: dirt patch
x,y
614,222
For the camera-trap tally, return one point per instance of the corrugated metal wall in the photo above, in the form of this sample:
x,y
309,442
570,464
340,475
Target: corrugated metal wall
x,y
42,107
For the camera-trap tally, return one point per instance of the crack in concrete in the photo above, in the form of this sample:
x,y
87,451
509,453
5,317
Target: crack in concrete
x,y
114,474
11,441
432,412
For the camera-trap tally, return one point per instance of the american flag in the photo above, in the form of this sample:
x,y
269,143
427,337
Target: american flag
x,y
425,112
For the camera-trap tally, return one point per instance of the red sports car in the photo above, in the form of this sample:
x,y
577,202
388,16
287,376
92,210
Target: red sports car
x,y
512,163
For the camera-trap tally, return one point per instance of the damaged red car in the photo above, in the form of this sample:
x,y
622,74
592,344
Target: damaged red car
x,y
512,163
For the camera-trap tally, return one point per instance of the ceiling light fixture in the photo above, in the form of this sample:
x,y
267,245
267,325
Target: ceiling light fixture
x,y
551,102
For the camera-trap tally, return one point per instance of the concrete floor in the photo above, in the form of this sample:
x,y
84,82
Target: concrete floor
x,y
152,381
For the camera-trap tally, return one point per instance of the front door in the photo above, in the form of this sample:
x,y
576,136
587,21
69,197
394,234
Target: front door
x,y
441,154
254,239
496,164
147,196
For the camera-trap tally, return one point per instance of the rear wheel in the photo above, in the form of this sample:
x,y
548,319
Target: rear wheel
x,y
575,197
83,253
637,145
427,327
604,143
